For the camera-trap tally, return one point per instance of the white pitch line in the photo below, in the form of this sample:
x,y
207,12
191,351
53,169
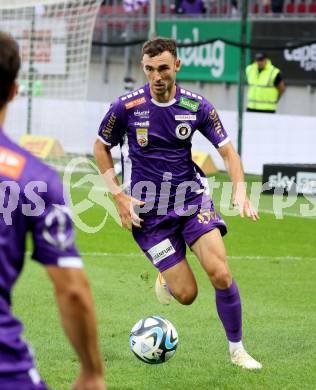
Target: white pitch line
x,y
246,257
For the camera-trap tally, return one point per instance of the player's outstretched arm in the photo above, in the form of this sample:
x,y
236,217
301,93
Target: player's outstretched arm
x,y
77,314
124,203
236,173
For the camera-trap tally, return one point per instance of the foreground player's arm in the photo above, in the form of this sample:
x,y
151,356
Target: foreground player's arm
x,y
54,247
236,173
77,314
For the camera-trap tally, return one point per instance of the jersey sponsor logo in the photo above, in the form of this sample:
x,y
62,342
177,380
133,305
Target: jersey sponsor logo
x,y
161,251
134,103
108,127
142,137
217,123
183,131
185,117
142,114
189,104
142,124
11,163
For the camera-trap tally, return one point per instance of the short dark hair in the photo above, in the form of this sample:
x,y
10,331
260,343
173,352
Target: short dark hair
x,y
9,65
157,46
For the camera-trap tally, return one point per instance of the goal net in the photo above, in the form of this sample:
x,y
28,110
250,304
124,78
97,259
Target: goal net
x,y
55,38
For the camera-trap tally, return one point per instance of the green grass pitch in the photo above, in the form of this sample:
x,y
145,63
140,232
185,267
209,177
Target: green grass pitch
x,y
274,263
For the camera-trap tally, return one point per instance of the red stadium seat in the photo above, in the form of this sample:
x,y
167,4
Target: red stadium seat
x,y
224,9
255,8
266,8
312,8
301,8
163,9
290,9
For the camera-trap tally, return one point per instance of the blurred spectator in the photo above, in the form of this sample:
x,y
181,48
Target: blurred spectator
x,y
234,9
129,84
277,6
134,5
190,7
266,85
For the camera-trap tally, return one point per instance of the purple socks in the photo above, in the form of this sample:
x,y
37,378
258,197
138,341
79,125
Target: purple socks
x,y
229,310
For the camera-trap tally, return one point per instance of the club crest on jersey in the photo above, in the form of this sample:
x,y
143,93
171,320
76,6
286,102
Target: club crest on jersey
x,y
183,131
142,137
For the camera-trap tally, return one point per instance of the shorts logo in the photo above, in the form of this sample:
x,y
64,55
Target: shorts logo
x,y
183,131
142,137
206,217
185,117
11,163
161,251
135,103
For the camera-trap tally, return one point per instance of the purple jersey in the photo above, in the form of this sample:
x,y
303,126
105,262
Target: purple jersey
x,y
156,139
31,200
191,7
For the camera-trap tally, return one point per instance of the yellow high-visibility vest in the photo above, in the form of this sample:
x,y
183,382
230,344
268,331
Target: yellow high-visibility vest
x,y
262,94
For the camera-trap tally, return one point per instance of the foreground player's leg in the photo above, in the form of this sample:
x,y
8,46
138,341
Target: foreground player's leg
x,y
210,250
177,281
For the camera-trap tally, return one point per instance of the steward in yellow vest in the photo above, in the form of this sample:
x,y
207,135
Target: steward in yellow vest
x,y
265,85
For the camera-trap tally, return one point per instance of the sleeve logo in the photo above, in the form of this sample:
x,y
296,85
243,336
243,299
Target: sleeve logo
x,y
217,123
108,127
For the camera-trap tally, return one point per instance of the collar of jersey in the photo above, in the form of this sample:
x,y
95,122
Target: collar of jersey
x,y
167,104
156,103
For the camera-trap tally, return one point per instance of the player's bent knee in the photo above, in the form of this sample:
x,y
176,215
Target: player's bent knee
x,y
221,279
187,297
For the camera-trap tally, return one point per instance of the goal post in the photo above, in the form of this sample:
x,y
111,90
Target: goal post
x,y
55,38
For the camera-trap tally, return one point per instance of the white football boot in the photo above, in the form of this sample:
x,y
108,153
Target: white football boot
x,y
240,357
162,291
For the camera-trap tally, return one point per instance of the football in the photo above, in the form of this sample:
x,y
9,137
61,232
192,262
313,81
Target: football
x,y
153,340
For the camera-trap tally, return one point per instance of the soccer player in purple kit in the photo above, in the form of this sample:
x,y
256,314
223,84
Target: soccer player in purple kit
x,y
154,126
32,200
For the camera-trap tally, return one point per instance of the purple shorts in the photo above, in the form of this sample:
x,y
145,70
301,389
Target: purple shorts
x,y
22,381
163,238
